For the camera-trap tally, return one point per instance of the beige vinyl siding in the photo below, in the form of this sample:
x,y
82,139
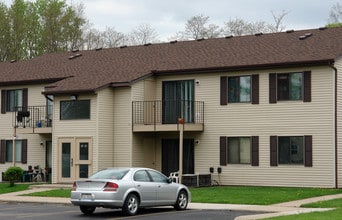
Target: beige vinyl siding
x,y
105,148
122,127
285,118
73,128
338,65
34,149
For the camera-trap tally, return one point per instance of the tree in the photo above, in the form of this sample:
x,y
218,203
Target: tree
x,y
113,38
278,20
198,27
142,34
335,14
4,32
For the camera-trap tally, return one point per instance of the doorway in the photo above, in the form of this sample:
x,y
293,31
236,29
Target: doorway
x,y
75,158
170,156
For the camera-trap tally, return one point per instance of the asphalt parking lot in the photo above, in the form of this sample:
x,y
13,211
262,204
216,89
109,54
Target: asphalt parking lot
x,y
37,211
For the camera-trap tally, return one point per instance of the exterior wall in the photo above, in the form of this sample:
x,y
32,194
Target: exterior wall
x,y
338,65
105,148
287,118
86,128
35,152
122,127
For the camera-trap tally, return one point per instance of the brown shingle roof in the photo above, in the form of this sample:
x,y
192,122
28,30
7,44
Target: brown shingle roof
x,y
97,68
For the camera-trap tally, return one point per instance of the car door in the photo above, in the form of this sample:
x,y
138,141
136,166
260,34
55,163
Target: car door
x,y
166,191
146,187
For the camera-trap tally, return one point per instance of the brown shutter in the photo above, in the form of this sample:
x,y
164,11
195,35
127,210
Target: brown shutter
x,y
273,87
25,98
3,101
307,86
223,151
24,151
2,151
274,150
308,150
255,89
255,151
223,90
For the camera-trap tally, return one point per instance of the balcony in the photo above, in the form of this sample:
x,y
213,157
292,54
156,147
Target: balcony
x,y
163,115
33,119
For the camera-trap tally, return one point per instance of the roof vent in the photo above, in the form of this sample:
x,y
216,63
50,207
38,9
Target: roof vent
x,y
75,50
258,34
322,28
200,39
303,37
78,55
173,42
124,46
229,36
148,44
99,48
13,61
290,31
72,57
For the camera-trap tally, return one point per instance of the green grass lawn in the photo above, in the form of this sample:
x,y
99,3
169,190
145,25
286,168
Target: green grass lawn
x,y
256,195
5,187
334,214
64,193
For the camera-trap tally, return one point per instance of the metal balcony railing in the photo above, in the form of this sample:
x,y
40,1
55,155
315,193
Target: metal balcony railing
x,y
167,112
33,117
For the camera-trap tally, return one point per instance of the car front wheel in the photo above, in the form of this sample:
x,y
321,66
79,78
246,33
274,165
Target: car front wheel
x,y
131,205
182,200
87,210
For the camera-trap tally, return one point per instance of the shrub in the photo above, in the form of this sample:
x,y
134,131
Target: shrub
x,y
13,174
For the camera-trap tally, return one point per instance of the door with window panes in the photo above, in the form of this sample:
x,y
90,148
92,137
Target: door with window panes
x,y
74,158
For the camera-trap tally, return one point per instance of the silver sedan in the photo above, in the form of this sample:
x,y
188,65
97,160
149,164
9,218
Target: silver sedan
x,y
129,189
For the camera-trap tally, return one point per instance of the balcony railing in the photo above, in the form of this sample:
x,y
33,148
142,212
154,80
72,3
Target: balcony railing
x,y
158,113
33,117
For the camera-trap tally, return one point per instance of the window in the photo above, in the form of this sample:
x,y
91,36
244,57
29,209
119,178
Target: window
x,y
141,176
290,86
10,99
239,89
239,150
75,109
291,150
7,151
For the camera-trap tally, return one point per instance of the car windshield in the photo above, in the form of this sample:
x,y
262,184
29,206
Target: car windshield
x,y
117,174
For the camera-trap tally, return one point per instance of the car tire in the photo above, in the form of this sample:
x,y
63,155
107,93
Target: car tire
x,y
131,205
182,200
87,210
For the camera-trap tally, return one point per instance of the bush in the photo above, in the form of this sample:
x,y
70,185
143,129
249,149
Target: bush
x,y
13,174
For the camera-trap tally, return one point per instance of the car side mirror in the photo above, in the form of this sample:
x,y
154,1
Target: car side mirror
x,y
169,180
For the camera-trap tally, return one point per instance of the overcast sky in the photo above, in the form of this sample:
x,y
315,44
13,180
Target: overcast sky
x,y
169,16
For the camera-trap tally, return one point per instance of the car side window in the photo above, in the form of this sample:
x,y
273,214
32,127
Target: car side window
x,y
157,177
141,176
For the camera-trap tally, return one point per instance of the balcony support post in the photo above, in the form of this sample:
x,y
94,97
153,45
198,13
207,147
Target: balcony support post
x,y
181,131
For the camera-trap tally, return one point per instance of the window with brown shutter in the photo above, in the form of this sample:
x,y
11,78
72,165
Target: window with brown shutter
x,y
273,88
273,150
308,150
223,151
24,151
224,90
255,151
2,151
3,101
307,86
255,89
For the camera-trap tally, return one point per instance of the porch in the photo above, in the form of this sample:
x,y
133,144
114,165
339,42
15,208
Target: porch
x,y
33,119
163,115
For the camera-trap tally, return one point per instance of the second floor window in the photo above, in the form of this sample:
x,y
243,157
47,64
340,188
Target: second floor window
x,y
14,99
75,109
290,86
239,89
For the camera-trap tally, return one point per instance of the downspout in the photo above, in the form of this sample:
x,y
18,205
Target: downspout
x,y
335,128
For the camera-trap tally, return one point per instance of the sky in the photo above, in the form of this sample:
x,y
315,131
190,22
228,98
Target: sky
x,y
167,17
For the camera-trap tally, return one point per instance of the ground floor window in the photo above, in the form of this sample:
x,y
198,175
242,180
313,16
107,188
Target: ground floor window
x,y
290,150
13,150
239,150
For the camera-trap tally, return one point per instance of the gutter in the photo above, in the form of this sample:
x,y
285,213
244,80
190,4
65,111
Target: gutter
x,y
335,127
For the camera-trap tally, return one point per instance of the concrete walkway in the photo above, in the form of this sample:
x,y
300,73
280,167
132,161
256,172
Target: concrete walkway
x,y
287,208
